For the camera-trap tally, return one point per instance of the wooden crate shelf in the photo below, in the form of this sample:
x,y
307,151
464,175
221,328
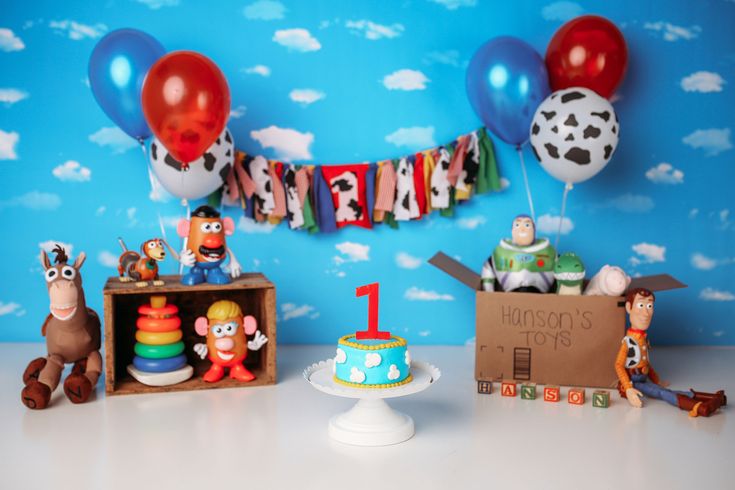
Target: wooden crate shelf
x,y
255,294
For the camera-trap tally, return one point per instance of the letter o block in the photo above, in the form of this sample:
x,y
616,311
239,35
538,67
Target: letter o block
x,y
576,396
552,394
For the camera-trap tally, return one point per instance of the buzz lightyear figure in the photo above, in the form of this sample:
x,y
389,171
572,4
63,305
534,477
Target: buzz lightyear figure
x,y
523,263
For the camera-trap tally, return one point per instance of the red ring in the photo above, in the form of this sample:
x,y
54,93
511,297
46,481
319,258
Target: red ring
x,y
158,324
166,310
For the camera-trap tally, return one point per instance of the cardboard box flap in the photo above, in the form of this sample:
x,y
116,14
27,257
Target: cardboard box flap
x,y
463,274
659,282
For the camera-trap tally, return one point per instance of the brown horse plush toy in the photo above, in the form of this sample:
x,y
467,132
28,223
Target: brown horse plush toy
x,y
72,334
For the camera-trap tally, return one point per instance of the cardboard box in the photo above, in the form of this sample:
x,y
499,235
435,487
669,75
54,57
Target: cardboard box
x,y
547,338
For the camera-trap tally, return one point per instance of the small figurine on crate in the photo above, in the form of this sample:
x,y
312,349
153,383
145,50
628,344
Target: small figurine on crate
x,y
227,345
205,248
569,274
609,281
72,334
523,263
635,373
142,267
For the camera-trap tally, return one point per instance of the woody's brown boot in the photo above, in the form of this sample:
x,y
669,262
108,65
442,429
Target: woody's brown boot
x,y
702,396
698,408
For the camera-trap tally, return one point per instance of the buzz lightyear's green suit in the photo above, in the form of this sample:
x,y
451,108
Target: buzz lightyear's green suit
x,y
520,268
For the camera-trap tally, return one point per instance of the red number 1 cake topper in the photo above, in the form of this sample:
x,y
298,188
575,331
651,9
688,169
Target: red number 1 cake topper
x,y
371,290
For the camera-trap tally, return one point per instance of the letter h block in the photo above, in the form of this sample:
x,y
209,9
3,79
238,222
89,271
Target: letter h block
x,y
485,387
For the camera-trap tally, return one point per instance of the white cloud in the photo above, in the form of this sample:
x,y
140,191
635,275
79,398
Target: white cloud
x,y
471,223
249,225
132,220
372,359
357,376
405,79
10,96
157,4
9,308
77,31
712,141
547,223
113,137
374,31
449,57
72,171
673,32
693,213
393,372
341,356
724,216
261,70
703,262
562,11
665,173
100,211
306,96
710,294
35,200
406,261
7,145
9,41
352,252
238,112
288,144
49,245
107,259
264,10
157,192
414,138
703,81
631,203
455,4
648,253
504,183
415,294
290,311
297,39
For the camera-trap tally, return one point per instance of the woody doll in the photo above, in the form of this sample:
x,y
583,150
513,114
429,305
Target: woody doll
x,y
636,375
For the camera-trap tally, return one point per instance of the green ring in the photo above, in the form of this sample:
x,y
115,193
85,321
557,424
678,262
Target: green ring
x,y
159,351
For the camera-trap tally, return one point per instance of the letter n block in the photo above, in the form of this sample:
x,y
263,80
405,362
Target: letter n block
x,y
508,388
601,399
528,391
552,393
484,387
576,396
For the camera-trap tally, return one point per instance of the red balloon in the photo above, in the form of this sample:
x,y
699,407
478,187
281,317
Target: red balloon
x,y
589,52
186,102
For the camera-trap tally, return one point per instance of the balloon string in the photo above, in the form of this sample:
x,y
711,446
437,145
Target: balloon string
x,y
185,239
525,181
149,166
567,188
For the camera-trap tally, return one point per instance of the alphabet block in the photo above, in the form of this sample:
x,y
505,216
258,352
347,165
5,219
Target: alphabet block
x,y
552,393
601,399
508,388
528,391
576,396
485,387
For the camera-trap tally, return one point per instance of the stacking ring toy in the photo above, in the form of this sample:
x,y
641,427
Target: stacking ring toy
x,y
159,351
158,338
158,324
167,310
159,365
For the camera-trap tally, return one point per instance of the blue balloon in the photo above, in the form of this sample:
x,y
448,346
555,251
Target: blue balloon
x,y
117,69
506,82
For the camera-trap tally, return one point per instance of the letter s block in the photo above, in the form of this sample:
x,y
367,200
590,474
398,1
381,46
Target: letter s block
x,y
552,393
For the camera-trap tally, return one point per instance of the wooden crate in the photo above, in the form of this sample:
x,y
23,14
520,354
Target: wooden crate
x,y
255,294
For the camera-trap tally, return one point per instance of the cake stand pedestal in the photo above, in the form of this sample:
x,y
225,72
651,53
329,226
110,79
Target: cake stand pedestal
x,y
371,422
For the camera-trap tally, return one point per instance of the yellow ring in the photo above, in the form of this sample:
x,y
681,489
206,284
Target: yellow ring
x,y
158,338
395,341
362,385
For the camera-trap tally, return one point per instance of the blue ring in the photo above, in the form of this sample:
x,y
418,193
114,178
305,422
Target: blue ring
x,y
159,365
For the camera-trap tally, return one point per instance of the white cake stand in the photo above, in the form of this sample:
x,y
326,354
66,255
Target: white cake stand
x,y
371,422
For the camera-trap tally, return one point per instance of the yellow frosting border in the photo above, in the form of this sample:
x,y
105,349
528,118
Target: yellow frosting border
x,y
408,379
395,341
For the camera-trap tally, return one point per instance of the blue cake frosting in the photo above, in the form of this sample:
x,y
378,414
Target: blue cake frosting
x,y
372,363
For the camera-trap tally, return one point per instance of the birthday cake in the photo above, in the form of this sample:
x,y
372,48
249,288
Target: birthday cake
x,y
372,363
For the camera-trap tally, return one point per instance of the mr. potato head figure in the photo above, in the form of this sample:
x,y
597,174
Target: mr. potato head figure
x,y
206,249
227,345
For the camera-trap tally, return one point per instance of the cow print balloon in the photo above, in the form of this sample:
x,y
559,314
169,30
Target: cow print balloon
x,y
202,176
574,134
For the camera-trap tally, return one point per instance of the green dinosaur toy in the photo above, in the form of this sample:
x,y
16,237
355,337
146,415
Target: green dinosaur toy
x,y
569,274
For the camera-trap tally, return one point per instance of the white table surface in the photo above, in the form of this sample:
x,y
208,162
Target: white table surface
x,y
276,436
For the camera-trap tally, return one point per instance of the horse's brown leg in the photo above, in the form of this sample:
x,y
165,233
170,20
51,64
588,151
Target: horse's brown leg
x,y
79,367
37,392
34,369
78,386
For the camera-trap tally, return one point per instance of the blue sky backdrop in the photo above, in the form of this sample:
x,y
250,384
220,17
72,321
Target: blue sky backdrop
x,y
348,81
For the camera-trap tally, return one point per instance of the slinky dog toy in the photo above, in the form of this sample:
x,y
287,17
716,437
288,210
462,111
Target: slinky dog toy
x,y
159,351
143,267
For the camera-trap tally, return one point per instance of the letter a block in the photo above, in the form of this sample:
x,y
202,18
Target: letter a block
x,y
528,391
552,394
576,396
508,388
601,399
485,387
